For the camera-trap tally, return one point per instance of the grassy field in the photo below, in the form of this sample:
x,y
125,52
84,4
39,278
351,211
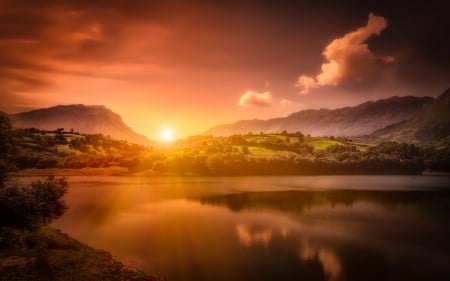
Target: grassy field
x,y
318,143
261,152
322,143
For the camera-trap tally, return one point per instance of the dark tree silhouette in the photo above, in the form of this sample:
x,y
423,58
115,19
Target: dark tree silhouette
x,y
6,145
27,206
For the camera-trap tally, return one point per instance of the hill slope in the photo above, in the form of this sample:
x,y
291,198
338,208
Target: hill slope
x,y
349,121
84,119
430,124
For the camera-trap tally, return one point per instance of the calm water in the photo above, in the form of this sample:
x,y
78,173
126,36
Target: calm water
x,y
268,228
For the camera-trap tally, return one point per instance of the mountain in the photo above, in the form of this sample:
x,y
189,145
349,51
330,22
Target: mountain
x,y
81,118
430,124
358,120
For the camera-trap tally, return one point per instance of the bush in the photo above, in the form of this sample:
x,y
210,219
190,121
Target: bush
x,y
32,205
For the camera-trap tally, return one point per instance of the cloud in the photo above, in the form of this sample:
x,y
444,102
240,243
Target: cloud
x,y
306,83
285,102
251,98
348,58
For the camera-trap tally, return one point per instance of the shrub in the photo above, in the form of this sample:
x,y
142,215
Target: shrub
x,y
27,206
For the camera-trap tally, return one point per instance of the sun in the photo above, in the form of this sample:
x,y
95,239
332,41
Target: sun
x,y
166,135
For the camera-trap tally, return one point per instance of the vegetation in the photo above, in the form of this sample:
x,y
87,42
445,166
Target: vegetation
x,y
6,145
293,154
59,149
29,249
29,206
250,154
26,206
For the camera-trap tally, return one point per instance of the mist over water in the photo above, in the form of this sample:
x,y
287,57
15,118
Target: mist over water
x,y
267,228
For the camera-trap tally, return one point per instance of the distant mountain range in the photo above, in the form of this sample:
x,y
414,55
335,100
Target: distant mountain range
x,y
81,118
406,119
429,124
397,118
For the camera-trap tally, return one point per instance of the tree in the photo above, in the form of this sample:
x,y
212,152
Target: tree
x,y
32,205
6,145
6,135
59,136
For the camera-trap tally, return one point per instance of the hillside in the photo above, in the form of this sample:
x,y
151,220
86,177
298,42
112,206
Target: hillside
x,y
81,118
348,121
430,124
253,154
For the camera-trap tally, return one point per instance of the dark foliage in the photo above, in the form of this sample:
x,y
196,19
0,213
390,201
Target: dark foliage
x,y
27,206
7,146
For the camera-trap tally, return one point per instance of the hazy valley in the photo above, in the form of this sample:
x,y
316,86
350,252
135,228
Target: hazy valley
x,y
414,137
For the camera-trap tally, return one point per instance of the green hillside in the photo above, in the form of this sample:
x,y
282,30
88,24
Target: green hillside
x,y
58,149
250,154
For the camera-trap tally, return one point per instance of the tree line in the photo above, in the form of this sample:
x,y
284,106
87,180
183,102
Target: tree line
x,y
258,154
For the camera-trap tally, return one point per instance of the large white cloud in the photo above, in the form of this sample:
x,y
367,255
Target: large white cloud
x,y
348,57
251,98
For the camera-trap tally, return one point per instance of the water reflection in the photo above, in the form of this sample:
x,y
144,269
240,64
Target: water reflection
x,y
351,234
251,235
297,201
330,262
216,230
308,252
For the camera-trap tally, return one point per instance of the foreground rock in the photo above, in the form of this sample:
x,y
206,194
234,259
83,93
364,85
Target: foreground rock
x,y
51,255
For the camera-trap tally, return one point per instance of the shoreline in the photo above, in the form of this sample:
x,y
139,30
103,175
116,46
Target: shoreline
x,y
53,255
123,171
109,171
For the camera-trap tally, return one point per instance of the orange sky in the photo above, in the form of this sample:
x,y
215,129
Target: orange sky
x,y
191,65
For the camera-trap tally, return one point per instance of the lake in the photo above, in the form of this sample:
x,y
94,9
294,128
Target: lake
x,y
267,228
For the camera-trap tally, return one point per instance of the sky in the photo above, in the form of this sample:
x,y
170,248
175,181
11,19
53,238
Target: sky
x,y
190,65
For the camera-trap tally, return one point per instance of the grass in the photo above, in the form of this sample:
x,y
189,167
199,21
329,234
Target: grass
x,y
362,147
280,137
65,148
261,152
322,144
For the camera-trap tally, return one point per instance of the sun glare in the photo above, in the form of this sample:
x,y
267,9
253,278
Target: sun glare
x,y
166,135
